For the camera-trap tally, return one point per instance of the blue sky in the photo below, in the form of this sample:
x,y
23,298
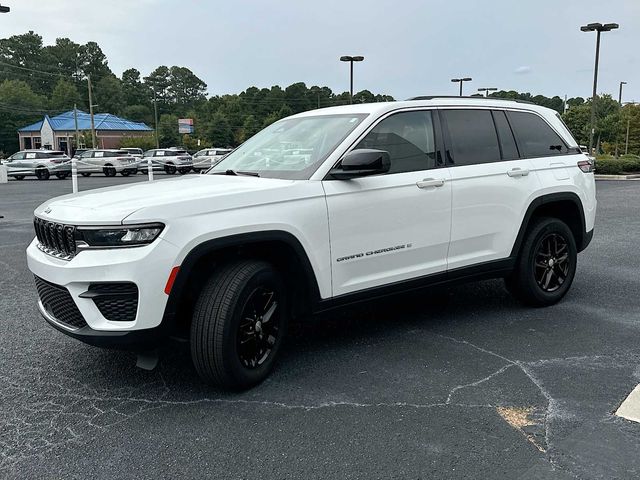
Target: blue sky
x,y
411,47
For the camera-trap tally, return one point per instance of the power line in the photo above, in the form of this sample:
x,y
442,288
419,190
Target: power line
x,y
33,70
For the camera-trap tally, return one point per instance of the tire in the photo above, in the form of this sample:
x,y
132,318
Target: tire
x,y
125,173
62,176
170,169
224,315
85,174
184,170
109,171
19,177
42,174
546,265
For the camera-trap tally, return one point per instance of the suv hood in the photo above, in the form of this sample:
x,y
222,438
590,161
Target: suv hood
x,y
180,197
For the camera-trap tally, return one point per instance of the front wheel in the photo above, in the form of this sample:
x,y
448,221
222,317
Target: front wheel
x,y
109,171
170,169
239,323
125,173
546,265
184,170
42,174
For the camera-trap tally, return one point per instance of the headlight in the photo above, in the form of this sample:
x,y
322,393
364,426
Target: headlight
x,y
126,236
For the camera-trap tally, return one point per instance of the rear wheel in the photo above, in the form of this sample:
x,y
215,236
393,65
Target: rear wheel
x,y
125,173
184,170
239,323
42,173
546,265
109,171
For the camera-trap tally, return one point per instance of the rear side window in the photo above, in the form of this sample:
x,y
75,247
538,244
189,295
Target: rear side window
x,y
505,136
409,139
535,137
473,137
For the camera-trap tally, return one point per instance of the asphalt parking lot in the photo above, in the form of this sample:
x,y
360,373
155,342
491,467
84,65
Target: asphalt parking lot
x,y
455,383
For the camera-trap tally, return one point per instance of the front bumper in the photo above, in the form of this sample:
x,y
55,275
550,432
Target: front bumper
x,y
148,267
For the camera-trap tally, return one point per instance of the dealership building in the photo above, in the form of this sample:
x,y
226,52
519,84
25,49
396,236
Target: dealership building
x,y
58,132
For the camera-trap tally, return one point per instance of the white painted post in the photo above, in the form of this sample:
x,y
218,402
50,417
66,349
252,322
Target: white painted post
x,y
74,175
150,169
3,174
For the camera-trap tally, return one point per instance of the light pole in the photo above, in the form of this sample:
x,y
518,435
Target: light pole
x,y
599,28
351,59
4,9
486,90
619,103
460,80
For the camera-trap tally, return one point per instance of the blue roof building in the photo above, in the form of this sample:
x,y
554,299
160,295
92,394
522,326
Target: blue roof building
x,y
58,132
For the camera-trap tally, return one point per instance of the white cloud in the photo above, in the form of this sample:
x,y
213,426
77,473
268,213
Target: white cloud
x,y
523,70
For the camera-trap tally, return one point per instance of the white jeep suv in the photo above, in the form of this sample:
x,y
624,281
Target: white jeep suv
x,y
385,197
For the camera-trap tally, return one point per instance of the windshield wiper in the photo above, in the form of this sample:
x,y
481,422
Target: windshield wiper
x,y
237,172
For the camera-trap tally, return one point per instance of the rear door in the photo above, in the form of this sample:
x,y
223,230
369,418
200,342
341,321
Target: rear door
x,y
392,227
491,185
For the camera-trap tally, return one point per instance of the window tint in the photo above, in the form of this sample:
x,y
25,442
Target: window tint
x,y
408,137
505,136
535,137
473,137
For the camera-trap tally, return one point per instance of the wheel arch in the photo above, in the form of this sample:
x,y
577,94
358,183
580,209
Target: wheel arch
x,y
565,206
281,248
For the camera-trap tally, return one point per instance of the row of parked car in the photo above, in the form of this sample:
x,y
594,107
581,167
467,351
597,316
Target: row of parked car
x,y
125,161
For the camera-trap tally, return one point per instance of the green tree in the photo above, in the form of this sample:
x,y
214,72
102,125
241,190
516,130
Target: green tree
x,y
109,96
185,88
64,96
146,142
218,131
93,62
19,107
135,92
139,113
158,83
168,131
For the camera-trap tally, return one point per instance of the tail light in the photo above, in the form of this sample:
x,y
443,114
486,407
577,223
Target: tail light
x,y
57,160
587,166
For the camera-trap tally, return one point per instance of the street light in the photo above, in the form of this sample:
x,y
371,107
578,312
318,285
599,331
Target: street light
x,y
351,59
460,80
619,103
599,28
486,90
4,9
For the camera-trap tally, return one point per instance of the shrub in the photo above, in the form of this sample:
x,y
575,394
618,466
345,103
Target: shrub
x,y
609,165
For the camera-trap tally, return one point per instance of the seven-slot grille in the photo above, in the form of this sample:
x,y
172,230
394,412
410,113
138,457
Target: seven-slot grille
x,y
57,301
55,238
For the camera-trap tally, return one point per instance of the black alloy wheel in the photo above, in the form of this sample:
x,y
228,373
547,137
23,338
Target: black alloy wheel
x,y
42,174
552,262
257,331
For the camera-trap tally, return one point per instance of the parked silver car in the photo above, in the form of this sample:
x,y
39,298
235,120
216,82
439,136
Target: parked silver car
x,y
134,152
169,160
39,163
209,157
109,162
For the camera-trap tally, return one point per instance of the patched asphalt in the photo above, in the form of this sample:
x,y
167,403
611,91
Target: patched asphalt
x,y
414,387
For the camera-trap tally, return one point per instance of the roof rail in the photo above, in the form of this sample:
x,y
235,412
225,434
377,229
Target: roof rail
x,y
436,97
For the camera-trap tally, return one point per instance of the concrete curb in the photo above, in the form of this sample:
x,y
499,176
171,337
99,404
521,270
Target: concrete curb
x,y
633,176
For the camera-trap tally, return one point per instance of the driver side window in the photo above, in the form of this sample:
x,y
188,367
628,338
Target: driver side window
x,y
409,139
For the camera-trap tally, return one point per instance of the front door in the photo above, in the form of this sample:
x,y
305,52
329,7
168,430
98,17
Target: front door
x,y
392,227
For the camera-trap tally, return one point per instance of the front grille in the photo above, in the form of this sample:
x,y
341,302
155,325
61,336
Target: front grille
x,y
58,303
117,302
55,238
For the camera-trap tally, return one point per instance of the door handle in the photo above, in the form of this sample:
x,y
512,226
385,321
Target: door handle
x,y
430,182
518,172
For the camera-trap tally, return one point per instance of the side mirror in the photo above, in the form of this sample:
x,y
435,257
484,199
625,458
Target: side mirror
x,y
361,163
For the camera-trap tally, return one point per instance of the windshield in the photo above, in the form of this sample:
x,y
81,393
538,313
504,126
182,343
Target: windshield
x,y
292,148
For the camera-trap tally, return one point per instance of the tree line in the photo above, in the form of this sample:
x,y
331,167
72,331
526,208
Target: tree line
x,y
38,79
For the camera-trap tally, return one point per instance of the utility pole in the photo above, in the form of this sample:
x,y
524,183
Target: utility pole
x,y
618,129
155,114
93,128
75,120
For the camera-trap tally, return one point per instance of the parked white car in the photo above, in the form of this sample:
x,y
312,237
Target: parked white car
x,y
379,198
136,153
169,160
40,163
109,162
209,157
